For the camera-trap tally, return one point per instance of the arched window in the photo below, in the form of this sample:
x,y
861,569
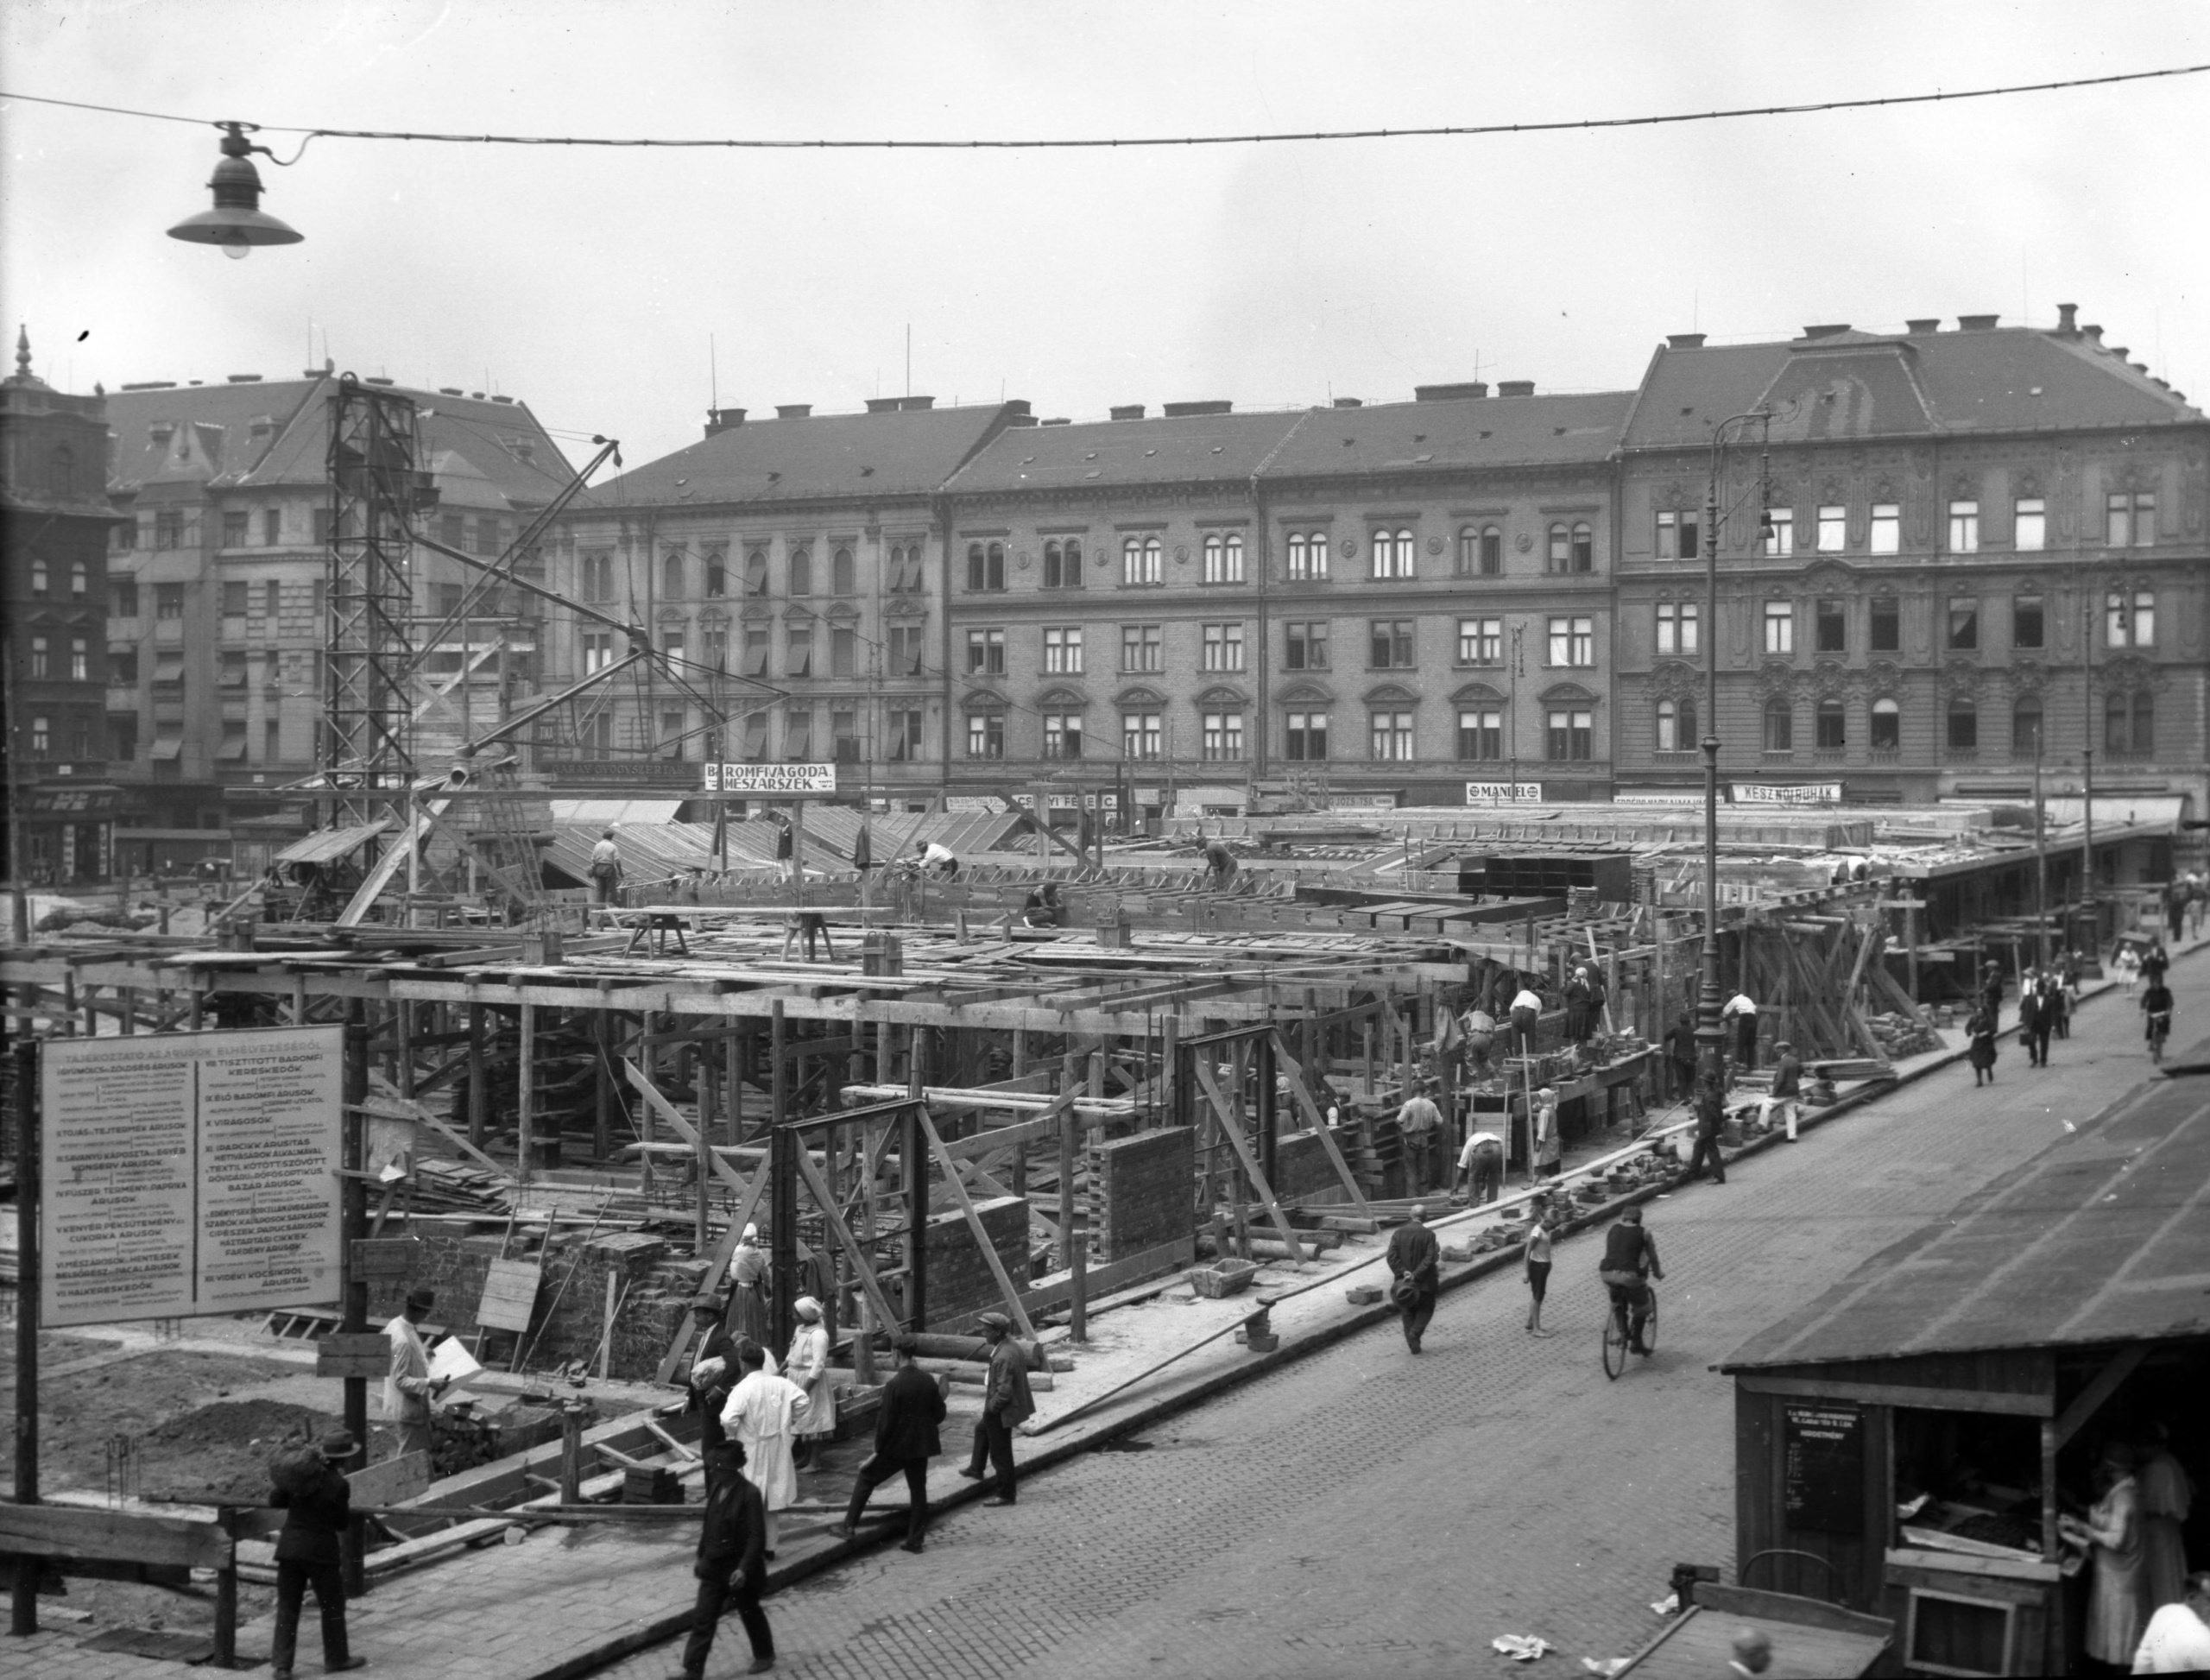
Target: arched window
x,y
673,583
1392,553
1560,549
1142,560
1832,726
1962,729
1887,726
1780,726
1224,557
80,581
717,572
2025,728
1584,548
1469,551
801,572
1063,564
843,579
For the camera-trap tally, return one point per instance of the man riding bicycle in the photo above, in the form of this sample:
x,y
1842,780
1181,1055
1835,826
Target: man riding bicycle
x,y
2157,1002
1630,1260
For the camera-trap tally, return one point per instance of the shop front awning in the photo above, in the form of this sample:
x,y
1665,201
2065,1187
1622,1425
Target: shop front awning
x,y
169,743
331,844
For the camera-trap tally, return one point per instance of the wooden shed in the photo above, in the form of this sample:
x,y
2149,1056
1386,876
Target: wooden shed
x,y
1904,1445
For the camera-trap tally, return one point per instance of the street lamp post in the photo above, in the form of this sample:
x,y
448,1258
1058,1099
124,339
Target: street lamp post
x,y
1709,1035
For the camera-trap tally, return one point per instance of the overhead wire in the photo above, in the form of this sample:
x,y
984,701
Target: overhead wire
x,y
1119,143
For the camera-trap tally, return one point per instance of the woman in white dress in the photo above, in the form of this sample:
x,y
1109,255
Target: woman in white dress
x,y
762,1414
2117,1598
808,1366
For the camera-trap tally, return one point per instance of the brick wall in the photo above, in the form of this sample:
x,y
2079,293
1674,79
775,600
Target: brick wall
x,y
1302,1168
960,1285
1141,1191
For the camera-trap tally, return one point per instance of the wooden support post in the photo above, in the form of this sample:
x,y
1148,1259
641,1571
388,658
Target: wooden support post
x,y
1070,1139
23,1603
606,1337
479,1102
1259,1182
782,1183
353,1220
705,1156
916,1174
226,1600
602,1123
525,1103
571,1450
1079,1277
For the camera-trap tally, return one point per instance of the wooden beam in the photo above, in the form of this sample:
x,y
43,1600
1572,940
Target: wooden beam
x,y
388,1102
862,1261
1223,1115
1319,1123
1998,1402
2090,1400
81,1534
974,1223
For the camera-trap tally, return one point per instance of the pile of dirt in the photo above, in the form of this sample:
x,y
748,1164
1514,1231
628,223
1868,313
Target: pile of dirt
x,y
223,1451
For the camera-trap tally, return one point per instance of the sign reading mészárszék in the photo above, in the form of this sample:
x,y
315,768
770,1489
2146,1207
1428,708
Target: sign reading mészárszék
x,y
184,1174
769,781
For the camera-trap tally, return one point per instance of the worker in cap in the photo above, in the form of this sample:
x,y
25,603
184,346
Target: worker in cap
x,y
1781,1107
606,868
1416,1264
905,1437
1006,1404
732,1565
317,1503
807,1365
409,1393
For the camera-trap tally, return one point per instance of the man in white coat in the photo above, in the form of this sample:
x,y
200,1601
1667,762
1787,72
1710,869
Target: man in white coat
x,y
763,1413
407,1390
808,1366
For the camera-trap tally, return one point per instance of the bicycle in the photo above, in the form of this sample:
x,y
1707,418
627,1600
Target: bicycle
x,y
1618,1332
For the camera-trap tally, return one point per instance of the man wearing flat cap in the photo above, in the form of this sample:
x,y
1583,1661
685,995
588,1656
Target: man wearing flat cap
x,y
407,1391
732,1565
317,1503
1006,1405
906,1439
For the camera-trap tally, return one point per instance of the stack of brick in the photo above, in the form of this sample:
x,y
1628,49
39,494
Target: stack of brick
x,y
1141,1191
959,1280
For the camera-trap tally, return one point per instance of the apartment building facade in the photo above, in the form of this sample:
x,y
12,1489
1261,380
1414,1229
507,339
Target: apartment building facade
x,y
1396,603
218,574
792,572
54,517
1947,557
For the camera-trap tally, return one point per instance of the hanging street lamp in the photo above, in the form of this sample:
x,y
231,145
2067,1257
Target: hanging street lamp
x,y
237,223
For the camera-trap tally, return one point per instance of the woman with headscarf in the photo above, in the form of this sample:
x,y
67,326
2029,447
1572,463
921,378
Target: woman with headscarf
x,y
2118,1598
808,1366
747,1314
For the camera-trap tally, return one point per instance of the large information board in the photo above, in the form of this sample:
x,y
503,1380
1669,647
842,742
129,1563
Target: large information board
x,y
1823,1468
185,1174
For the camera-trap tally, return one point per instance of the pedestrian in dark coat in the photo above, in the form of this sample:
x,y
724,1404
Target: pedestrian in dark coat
x,y
1415,1263
2048,1007
1979,1029
317,1503
1680,1054
2031,1030
1710,1116
732,1565
906,1439
1006,1404
1579,1015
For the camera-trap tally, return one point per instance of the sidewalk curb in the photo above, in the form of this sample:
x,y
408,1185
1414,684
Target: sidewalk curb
x,y
642,1636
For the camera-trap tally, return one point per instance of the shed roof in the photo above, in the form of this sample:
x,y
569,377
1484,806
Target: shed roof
x,y
2103,1237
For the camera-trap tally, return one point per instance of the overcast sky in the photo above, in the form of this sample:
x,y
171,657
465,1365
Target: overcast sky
x,y
589,283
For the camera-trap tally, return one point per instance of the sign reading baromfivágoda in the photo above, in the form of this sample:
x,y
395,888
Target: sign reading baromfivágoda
x,y
769,780
189,1173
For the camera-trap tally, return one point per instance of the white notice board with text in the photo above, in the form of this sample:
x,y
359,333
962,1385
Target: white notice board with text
x,y
186,1174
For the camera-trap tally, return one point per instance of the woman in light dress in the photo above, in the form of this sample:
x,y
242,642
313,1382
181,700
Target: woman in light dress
x,y
808,1366
2117,1598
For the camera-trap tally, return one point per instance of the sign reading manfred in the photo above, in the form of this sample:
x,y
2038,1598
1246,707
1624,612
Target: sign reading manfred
x,y
186,1174
769,781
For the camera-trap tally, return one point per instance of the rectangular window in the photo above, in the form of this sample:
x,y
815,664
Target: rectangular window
x,y
1481,642
40,662
1887,528
1834,527
1390,644
1677,535
230,671
798,653
126,534
671,732
1304,738
1886,626
985,735
272,598
1780,626
449,598
1780,531
233,528
1143,561
1572,733
1779,726
1142,648
2029,524
755,650
487,535
122,667
1140,735
715,649
2027,621
2131,621
121,737
1223,557
236,600
1223,647
906,653
1833,627
168,528
1222,733
986,652
1389,735
1062,735
1306,645
1481,733
903,727
1963,623
1573,641
1831,727
123,597
1308,557
272,528
322,518
168,600
844,736
1676,627
1391,552
2118,530
1063,650
1964,528
844,651
598,650
2145,520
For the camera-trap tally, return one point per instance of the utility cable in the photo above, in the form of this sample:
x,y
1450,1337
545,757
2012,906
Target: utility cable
x,y
1121,142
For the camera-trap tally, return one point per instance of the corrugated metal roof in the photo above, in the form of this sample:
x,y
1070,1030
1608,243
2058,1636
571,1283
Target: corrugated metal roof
x,y
330,844
2103,1237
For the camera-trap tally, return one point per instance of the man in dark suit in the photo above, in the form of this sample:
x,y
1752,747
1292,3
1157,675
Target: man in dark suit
x,y
317,1501
732,1565
1415,1261
1006,1404
905,1440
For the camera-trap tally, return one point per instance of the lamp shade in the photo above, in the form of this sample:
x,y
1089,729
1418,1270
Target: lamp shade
x,y
237,223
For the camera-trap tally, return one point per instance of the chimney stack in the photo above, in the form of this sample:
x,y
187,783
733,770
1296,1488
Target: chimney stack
x,y
2067,322
1684,341
720,419
1515,388
1209,406
1465,389
1128,411
1924,323
792,410
1977,323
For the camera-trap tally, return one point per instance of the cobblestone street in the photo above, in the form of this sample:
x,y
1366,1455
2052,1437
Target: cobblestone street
x,y
1363,1511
